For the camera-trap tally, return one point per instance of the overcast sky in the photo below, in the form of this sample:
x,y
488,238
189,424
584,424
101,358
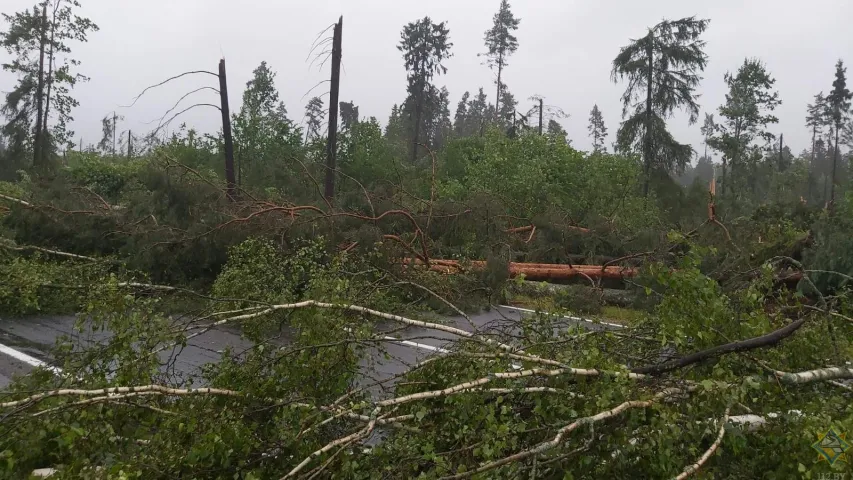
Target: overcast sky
x,y
565,53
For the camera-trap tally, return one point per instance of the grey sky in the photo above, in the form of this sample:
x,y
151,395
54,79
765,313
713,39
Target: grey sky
x,y
565,53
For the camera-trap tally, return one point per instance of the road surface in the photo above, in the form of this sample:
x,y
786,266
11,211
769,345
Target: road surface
x,y
26,342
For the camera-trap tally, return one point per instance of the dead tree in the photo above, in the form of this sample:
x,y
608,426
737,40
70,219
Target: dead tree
x,y
226,132
332,144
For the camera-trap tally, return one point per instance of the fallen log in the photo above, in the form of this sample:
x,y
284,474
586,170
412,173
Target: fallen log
x,y
537,271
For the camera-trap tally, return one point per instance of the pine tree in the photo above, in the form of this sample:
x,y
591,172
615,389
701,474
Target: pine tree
x,y
838,102
501,44
662,69
597,130
425,45
38,42
315,114
746,113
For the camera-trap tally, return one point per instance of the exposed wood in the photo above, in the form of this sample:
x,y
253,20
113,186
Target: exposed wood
x,y
538,271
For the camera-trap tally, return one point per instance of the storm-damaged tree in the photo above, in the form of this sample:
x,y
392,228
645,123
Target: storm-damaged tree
x,y
37,41
501,43
597,130
838,103
746,114
424,45
662,69
108,133
315,114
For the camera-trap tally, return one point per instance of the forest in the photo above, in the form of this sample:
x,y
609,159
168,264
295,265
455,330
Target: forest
x,y
444,294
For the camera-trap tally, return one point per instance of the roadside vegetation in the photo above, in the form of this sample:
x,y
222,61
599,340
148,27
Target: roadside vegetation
x,y
731,279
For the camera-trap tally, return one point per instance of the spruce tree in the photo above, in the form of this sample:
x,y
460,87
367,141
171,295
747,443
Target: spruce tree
x,y
662,69
597,130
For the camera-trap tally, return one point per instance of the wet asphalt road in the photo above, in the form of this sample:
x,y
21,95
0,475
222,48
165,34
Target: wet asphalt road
x,y
35,336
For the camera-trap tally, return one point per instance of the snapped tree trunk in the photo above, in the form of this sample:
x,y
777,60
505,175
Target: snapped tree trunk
x,y
129,145
332,144
115,124
541,115
226,132
37,146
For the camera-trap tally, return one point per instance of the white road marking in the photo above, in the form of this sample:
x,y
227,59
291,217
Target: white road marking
x,y
576,319
421,346
29,360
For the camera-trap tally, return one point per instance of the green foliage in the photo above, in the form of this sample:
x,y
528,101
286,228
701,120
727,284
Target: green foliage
x,y
662,69
37,285
275,278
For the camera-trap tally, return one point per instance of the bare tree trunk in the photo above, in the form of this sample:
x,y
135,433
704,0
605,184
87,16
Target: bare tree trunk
x,y
498,94
226,132
781,137
332,144
129,145
115,124
811,166
418,112
834,166
37,154
541,115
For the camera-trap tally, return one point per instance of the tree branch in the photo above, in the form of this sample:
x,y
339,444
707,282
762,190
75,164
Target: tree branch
x,y
708,453
767,340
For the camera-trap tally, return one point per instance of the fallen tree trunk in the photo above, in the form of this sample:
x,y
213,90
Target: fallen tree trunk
x,y
537,271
